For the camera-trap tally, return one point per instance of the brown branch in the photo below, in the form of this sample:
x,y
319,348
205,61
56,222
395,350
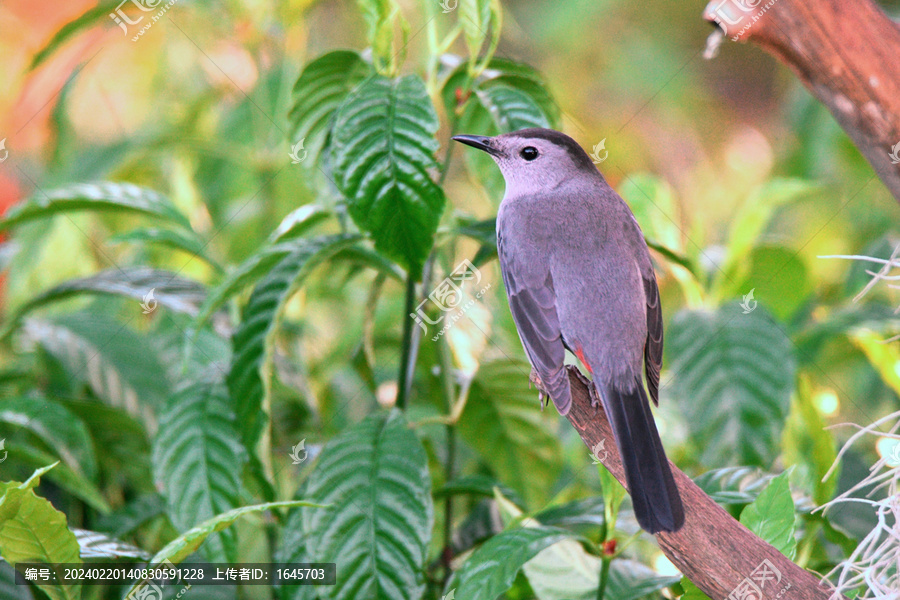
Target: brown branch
x,y
847,52
713,550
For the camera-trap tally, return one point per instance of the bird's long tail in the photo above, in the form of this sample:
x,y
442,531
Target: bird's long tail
x,y
657,504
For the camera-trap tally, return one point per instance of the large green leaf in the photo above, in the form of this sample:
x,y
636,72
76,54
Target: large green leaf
x,y
321,88
170,238
511,109
57,427
375,478
384,149
503,422
526,79
125,197
197,460
491,569
251,365
145,285
771,516
734,375
118,364
31,530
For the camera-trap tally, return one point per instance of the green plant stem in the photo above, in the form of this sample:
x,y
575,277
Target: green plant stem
x,y
407,356
604,576
446,361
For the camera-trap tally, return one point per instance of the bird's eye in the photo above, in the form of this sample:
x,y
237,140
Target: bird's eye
x,y
529,153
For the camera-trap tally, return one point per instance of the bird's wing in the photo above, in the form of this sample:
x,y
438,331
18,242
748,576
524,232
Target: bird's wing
x,y
532,301
653,350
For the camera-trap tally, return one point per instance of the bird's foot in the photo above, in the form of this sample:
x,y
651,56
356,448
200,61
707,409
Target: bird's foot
x,y
595,397
543,396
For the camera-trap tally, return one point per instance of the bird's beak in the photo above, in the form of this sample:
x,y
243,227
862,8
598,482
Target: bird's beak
x,y
478,141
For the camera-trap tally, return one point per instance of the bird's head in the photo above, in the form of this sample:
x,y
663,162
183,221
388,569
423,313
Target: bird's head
x,y
532,160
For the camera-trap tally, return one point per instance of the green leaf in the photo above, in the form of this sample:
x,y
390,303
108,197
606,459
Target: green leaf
x,y
384,149
511,109
734,374
251,366
197,460
734,485
653,202
614,494
478,485
478,17
383,18
125,520
785,294
526,79
691,591
113,360
95,545
62,475
491,569
186,544
169,238
771,516
299,221
374,477
8,588
122,197
750,222
88,19
57,427
321,88
503,422
145,285
31,530
808,446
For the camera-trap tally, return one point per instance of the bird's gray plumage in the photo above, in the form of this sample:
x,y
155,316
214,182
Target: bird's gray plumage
x,y
578,276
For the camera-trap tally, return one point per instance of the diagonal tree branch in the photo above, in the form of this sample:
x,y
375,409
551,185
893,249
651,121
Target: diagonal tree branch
x,y
847,52
713,550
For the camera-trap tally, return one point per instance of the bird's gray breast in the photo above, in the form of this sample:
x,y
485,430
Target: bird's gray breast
x,y
588,243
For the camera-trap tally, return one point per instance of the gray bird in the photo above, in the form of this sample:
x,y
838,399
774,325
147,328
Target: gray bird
x,y
578,276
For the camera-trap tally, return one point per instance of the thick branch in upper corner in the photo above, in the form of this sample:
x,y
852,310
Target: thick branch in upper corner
x,y
844,51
